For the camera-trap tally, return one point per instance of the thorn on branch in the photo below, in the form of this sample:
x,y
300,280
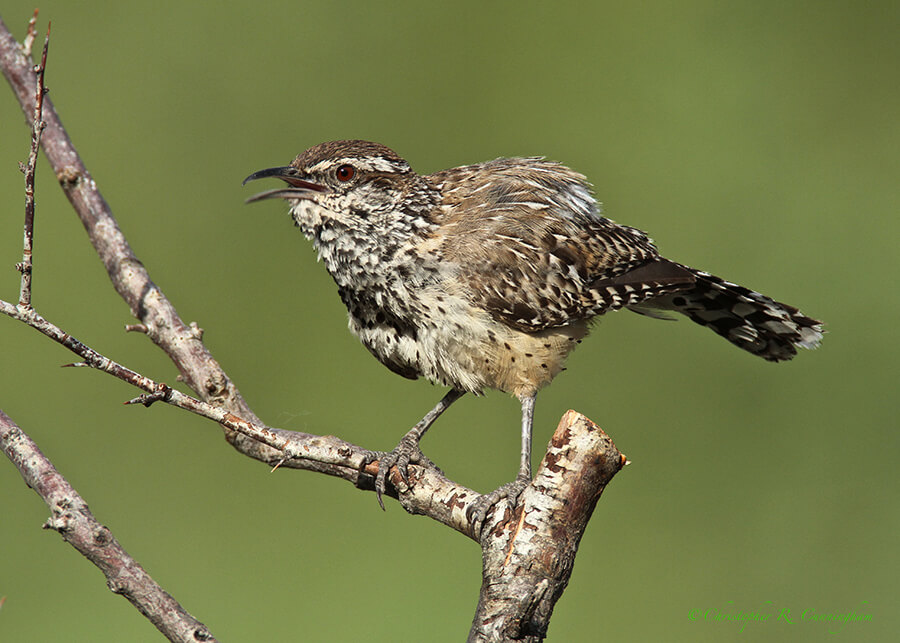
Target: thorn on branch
x,y
278,464
162,392
136,328
76,365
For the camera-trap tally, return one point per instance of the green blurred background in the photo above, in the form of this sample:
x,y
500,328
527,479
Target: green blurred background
x,y
758,141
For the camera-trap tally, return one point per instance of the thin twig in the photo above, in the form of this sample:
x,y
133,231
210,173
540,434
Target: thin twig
x,y
155,390
37,127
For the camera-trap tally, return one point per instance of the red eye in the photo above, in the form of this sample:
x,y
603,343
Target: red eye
x,y
345,173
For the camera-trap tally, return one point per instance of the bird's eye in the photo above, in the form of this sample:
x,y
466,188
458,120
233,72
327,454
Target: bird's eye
x,y
345,173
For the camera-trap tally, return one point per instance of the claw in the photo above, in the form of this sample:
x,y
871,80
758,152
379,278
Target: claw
x,y
368,458
406,452
509,492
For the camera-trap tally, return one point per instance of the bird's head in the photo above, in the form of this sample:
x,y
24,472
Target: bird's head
x,y
352,183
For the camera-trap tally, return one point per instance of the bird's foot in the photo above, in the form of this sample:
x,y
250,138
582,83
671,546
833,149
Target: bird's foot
x,y
405,453
509,492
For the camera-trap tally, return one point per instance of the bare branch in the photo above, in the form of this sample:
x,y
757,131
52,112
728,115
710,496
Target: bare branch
x,y
71,518
198,369
25,267
325,454
527,557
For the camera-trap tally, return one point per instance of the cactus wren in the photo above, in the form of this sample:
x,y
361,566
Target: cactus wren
x,y
486,276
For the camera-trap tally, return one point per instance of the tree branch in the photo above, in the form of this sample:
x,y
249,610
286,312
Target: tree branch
x,y
527,559
131,280
71,518
430,494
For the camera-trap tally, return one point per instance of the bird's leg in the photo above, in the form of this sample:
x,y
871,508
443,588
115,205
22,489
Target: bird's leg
x,y
407,450
527,424
511,490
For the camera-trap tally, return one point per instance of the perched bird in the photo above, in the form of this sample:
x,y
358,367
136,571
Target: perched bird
x,y
486,276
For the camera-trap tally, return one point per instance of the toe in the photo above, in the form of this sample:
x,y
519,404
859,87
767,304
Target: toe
x,y
483,506
406,452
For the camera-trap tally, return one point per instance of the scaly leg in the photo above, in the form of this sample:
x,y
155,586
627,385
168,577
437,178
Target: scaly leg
x,y
511,490
407,450
527,424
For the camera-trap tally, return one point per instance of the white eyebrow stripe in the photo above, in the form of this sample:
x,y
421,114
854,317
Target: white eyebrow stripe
x,y
370,164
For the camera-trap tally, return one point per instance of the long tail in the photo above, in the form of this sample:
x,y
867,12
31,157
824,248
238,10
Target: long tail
x,y
745,318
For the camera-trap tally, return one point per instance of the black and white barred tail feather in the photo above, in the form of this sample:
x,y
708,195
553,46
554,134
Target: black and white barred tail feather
x,y
747,319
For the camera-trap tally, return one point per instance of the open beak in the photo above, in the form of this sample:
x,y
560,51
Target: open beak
x,y
299,188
